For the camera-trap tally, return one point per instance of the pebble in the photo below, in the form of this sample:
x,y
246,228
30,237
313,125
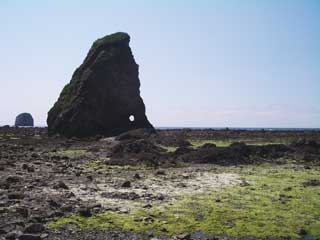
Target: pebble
x,y
126,184
85,212
34,228
16,195
60,185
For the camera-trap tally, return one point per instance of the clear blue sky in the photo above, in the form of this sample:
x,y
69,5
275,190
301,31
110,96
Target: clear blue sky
x,y
218,63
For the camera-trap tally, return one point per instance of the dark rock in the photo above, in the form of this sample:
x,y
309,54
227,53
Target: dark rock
x,y
126,184
137,176
69,195
95,208
24,120
281,198
60,185
208,145
53,202
27,167
133,152
244,183
39,217
2,231
148,205
219,155
135,147
182,150
34,228
13,179
16,195
94,149
181,185
240,148
160,172
183,143
141,133
160,197
23,211
271,151
29,237
302,232
236,153
306,144
90,177
288,189
35,155
66,208
13,235
103,96
311,183
85,211
56,214
123,195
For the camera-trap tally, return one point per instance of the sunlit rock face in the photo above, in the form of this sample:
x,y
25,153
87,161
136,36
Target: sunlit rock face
x,y
103,96
24,120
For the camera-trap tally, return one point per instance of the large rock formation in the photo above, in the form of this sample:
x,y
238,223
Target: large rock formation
x,y
103,96
24,120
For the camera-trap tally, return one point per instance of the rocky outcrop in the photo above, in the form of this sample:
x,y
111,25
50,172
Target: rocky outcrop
x,y
24,120
103,96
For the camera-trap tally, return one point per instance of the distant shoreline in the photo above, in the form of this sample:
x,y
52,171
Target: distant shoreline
x,y
239,128
220,128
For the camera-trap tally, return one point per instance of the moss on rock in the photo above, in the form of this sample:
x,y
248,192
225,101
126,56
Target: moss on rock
x,y
111,39
272,203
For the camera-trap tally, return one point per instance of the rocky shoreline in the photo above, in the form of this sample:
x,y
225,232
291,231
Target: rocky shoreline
x,y
43,179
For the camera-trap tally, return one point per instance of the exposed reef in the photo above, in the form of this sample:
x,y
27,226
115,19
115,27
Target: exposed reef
x,y
103,96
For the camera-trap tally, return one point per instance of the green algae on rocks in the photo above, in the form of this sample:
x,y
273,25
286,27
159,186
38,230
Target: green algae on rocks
x,y
271,202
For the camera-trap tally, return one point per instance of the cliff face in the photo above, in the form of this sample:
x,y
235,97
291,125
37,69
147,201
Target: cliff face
x,y
103,96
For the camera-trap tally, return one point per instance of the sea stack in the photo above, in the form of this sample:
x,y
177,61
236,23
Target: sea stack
x,y
24,120
103,96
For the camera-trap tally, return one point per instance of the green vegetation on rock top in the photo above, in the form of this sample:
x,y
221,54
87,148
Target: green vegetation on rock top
x,y
112,38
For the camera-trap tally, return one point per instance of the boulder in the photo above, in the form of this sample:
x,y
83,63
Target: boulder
x,y
34,228
24,120
103,96
133,152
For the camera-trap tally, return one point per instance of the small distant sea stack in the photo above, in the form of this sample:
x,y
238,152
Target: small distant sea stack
x,y
103,96
24,120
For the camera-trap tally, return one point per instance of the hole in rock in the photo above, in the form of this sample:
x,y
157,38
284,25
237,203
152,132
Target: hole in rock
x,y
131,118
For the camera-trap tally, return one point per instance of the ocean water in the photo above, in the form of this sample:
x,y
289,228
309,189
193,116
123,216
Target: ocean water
x,y
239,128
